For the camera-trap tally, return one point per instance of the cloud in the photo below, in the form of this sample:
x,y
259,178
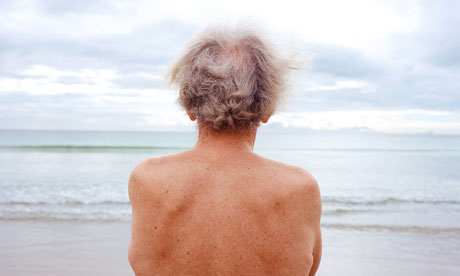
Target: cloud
x,y
139,81
439,36
90,34
348,84
342,62
62,8
391,121
134,111
99,64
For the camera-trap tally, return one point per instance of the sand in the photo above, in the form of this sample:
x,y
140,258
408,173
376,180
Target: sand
x,y
64,248
100,248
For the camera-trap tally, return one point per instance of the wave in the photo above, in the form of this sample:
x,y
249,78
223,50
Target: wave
x,y
341,211
67,219
393,228
64,203
387,201
96,216
90,148
326,200
365,149
178,148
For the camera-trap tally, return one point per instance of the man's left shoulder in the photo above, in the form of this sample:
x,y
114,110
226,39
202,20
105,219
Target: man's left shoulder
x,y
146,178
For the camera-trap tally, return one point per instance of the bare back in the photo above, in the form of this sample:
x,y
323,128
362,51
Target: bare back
x,y
201,214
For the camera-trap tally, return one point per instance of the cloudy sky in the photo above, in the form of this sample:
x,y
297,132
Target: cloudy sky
x,y
391,66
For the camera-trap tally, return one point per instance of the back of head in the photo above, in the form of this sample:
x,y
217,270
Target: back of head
x,y
230,79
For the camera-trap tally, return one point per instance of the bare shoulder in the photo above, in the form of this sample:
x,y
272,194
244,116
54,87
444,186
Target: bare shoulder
x,y
138,180
296,175
308,195
150,175
302,186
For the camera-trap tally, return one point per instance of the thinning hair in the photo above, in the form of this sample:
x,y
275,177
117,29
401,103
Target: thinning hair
x,y
230,78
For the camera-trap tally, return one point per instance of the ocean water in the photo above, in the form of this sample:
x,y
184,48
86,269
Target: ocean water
x,y
404,189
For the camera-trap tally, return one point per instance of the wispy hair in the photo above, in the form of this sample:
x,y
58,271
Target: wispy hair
x,y
231,78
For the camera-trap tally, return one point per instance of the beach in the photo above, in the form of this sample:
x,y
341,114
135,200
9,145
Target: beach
x,y
95,248
64,248
391,203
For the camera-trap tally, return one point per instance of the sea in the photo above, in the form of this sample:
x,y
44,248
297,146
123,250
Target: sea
x,y
381,193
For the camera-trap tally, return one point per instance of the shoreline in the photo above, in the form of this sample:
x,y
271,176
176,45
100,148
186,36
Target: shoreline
x,y
101,248
64,248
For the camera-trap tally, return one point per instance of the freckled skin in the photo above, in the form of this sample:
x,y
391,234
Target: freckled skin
x,y
220,209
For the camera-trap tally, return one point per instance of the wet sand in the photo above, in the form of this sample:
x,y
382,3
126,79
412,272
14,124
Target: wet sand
x,y
100,248
64,248
383,253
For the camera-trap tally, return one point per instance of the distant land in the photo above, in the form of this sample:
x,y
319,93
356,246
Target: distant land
x,y
268,128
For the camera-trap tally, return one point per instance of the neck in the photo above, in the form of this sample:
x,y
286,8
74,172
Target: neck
x,y
229,142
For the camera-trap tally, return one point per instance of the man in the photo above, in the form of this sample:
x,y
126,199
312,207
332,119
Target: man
x,y
219,208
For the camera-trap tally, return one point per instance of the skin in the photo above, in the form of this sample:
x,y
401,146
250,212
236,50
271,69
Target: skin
x,y
220,209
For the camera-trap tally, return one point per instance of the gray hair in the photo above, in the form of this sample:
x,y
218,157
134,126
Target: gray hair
x,y
230,79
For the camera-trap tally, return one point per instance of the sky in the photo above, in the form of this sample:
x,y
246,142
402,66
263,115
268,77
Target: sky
x,y
386,66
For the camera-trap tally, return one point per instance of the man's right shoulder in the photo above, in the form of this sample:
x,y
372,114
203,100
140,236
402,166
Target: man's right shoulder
x,y
307,194
294,174
301,185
